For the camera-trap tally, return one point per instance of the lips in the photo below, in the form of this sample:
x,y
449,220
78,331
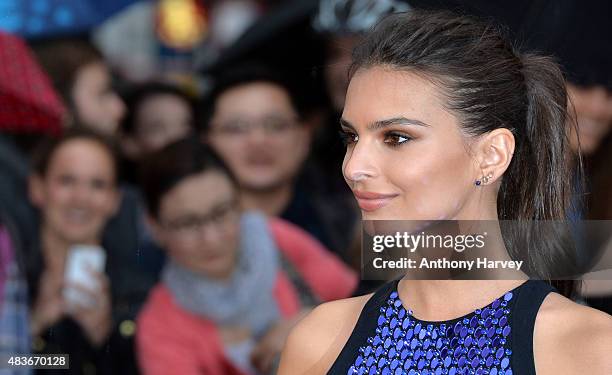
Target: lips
x,y
77,216
260,160
370,201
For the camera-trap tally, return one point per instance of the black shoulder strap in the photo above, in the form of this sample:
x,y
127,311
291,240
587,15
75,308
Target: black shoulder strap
x,y
366,324
528,301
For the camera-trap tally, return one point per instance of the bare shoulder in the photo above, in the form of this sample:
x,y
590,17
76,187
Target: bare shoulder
x,y
570,338
316,341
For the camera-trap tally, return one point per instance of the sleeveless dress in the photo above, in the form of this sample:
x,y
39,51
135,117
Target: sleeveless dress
x,y
494,340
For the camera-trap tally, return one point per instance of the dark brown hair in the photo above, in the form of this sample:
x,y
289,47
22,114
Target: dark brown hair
x,y
166,168
44,154
242,75
63,58
488,84
142,92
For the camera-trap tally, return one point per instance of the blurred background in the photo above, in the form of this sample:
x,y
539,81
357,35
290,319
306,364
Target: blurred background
x,y
144,144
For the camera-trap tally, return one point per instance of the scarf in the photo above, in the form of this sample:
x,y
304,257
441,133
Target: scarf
x,y
247,298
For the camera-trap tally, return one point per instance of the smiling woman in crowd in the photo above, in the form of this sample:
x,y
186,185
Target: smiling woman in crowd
x,y
444,119
75,202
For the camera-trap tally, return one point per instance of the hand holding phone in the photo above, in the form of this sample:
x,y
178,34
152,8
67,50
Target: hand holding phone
x,y
82,262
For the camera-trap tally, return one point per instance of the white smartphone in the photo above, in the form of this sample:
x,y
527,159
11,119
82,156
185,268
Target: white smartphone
x,y
81,260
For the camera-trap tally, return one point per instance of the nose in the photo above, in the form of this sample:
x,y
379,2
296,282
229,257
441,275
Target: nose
x,y
256,134
80,194
210,234
359,163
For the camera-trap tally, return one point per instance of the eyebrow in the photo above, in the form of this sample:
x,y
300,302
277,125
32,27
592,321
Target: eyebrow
x,y
387,122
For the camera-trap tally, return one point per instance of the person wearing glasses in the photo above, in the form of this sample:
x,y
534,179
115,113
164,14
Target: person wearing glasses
x,y
256,120
225,303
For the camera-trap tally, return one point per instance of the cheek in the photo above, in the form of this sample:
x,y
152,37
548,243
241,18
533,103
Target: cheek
x,y
88,105
181,251
231,151
232,235
57,196
347,156
178,130
293,151
433,182
104,203
153,141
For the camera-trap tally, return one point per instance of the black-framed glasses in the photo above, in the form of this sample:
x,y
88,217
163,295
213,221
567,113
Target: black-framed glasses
x,y
271,125
192,224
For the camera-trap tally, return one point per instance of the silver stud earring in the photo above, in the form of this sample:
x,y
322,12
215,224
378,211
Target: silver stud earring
x,y
484,179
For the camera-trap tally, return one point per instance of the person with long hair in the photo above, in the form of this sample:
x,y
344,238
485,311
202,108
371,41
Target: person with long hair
x,y
74,203
83,78
446,119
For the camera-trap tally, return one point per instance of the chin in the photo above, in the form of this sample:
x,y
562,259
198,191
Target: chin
x,y
80,239
383,213
261,184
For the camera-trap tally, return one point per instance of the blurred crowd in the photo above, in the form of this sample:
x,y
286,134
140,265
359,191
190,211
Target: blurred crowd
x,y
195,143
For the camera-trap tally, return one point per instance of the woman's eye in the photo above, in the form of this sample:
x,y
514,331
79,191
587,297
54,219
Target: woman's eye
x,y
395,139
348,137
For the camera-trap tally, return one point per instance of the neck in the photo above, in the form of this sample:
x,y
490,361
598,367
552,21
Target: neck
x,y
270,201
223,277
437,300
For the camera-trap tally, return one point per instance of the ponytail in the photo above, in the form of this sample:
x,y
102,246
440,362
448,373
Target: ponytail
x,y
541,174
538,186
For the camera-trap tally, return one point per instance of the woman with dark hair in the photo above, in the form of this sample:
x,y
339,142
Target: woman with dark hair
x,y
83,79
444,119
74,202
158,114
234,282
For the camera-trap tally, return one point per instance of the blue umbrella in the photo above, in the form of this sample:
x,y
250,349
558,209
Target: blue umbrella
x,y
45,18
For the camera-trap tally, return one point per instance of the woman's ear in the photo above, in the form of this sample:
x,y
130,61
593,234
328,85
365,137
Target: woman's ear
x,y
36,190
494,154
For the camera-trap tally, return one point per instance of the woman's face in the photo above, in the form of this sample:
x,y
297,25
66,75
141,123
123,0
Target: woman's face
x,y
96,104
593,107
406,156
78,194
160,120
256,131
198,224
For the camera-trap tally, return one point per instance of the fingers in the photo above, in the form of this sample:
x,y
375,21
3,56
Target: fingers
x,y
101,285
95,301
99,276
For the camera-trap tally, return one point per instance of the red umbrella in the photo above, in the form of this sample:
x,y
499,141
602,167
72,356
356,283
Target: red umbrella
x,y
28,102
